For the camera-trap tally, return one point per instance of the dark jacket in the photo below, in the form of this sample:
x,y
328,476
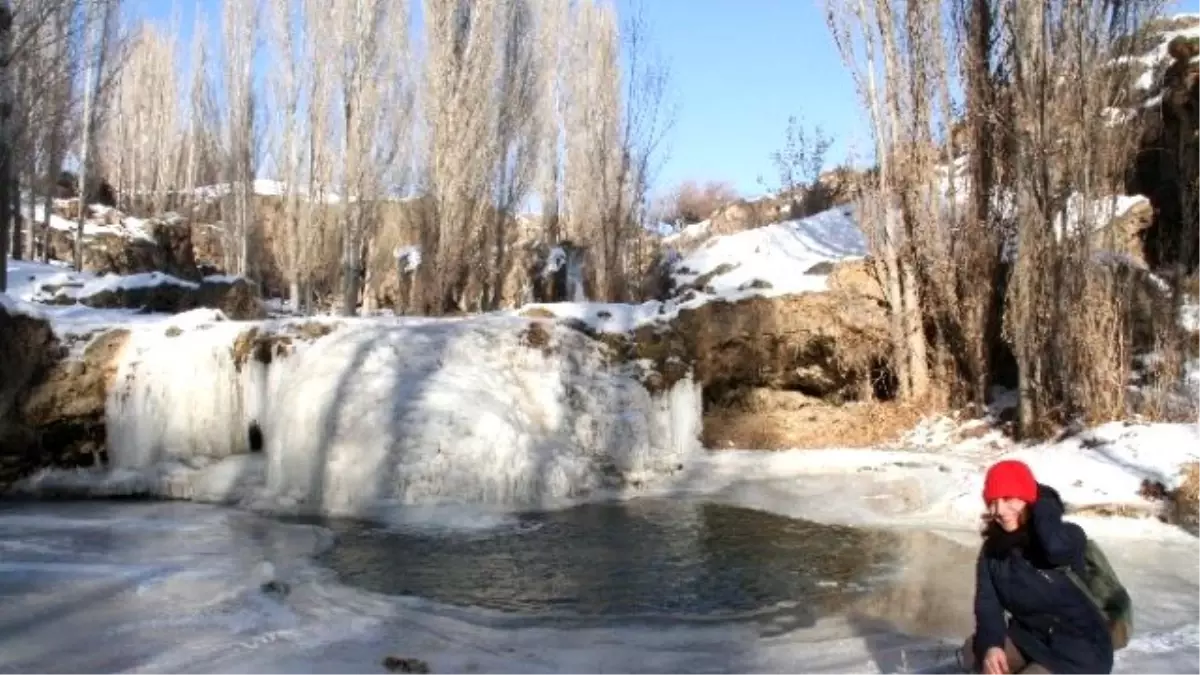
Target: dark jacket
x,y
1052,621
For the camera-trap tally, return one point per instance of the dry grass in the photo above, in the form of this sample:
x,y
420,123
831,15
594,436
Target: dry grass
x,y
853,425
1188,495
1113,511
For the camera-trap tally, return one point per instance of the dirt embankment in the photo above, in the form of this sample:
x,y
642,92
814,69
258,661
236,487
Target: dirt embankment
x,y
52,395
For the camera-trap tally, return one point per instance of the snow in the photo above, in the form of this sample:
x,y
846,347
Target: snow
x,y
72,287
409,255
263,187
778,254
27,293
768,261
1159,56
1099,213
96,224
688,233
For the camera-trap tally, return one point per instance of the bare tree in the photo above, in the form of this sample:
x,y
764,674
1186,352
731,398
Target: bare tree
x,y
799,165
552,40
239,41
62,71
462,115
140,150
290,41
6,110
38,60
100,29
691,202
1067,165
370,75
616,121
202,160
518,131
319,125
91,28
879,80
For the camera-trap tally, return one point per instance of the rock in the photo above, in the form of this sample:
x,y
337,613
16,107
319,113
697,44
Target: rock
x,y
75,388
1123,235
397,664
27,347
855,277
756,284
743,215
169,250
236,297
824,345
279,589
52,400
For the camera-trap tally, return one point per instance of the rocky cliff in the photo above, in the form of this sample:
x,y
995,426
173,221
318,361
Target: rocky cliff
x,y
52,395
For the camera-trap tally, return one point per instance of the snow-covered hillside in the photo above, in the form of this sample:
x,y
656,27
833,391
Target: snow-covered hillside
x,y
776,259
1155,61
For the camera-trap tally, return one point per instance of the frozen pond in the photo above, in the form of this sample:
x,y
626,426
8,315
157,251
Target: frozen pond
x,y
154,586
649,585
640,558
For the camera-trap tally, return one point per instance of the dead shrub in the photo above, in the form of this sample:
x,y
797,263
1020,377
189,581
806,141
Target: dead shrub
x,y
856,425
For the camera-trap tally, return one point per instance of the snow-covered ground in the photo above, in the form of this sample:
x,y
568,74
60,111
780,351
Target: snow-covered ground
x,y
767,262
33,284
777,255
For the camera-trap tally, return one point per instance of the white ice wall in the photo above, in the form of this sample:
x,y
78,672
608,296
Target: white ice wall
x,y
401,411
465,412
177,397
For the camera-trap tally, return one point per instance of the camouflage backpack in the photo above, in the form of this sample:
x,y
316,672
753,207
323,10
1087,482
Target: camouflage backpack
x,y
1101,585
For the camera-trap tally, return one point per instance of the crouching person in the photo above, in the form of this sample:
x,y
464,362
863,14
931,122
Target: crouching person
x,y
1025,570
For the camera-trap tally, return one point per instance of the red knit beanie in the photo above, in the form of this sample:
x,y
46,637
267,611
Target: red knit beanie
x,y
1010,478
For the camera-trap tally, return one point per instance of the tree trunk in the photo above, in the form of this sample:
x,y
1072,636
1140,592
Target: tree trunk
x,y
86,141
914,334
6,110
888,271
55,168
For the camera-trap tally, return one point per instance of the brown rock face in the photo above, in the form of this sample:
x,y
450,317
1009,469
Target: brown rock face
x,y
27,348
237,298
855,277
52,403
170,251
743,215
1166,167
1123,235
826,345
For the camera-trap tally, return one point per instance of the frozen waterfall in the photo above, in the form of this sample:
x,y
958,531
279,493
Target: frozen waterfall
x,y
482,411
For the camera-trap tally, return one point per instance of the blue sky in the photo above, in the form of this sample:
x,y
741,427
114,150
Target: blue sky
x,y
739,68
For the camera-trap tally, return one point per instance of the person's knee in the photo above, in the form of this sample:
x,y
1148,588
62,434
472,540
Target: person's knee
x,y
966,656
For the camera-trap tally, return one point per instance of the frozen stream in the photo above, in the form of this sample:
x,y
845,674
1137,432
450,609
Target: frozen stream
x,y
643,558
141,586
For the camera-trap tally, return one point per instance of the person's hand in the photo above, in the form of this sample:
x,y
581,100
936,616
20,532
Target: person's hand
x,y
995,662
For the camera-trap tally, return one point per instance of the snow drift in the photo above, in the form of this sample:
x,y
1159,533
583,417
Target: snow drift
x,y
495,411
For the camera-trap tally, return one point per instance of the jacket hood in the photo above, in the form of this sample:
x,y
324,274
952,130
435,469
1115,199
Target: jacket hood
x,y
1049,495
